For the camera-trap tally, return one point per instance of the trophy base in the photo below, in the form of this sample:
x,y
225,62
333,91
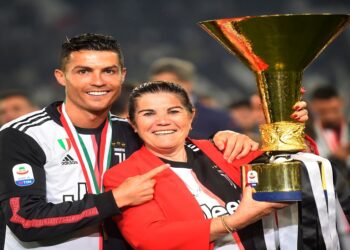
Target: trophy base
x,y
277,196
273,182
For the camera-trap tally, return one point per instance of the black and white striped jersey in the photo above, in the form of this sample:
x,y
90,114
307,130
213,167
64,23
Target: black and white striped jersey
x,y
43,191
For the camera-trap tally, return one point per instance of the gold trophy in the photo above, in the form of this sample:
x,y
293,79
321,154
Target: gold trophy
x,y
277,48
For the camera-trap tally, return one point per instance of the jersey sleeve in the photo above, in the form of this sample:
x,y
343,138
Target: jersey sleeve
x,y
31,218
23,194
22,162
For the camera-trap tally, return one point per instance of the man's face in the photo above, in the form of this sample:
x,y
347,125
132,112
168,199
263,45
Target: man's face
x,y
258,113
92,80
13,107
329,112
244,117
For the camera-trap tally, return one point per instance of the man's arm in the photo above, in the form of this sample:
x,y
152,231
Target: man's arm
x,y
25,208
31,218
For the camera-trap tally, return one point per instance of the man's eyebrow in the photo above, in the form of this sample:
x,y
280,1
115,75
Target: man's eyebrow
x,y
82,67
88,67
112,66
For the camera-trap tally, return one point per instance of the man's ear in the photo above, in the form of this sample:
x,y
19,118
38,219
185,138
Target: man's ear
x,y
60,77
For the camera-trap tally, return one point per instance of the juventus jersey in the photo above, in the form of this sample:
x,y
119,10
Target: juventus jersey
x,y
43,191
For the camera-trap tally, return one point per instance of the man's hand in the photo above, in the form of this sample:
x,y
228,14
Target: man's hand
x,y
234,145
137,189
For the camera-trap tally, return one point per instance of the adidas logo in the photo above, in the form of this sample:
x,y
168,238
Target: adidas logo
x,y
68,160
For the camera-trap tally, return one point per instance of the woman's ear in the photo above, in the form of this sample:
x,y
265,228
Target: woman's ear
x,y
193,114
132,125
123,72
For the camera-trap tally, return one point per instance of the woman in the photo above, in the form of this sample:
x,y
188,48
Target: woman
x,y
199,181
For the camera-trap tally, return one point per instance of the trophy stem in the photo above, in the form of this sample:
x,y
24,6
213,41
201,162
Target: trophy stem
x,y
279,91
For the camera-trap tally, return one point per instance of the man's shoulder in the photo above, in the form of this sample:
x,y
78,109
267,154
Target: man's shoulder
x,y
122,126
30,120
119,120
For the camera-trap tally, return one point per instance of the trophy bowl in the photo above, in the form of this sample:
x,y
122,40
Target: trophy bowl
x,y
277,48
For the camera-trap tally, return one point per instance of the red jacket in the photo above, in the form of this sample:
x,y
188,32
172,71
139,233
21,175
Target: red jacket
x,y
173,219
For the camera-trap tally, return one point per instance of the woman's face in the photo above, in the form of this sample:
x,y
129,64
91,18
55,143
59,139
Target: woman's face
x,y
162,121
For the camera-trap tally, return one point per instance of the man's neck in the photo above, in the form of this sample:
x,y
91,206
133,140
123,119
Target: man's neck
x,y
84,118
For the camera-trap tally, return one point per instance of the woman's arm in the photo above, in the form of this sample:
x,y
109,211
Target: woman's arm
x,y
248,212
149,226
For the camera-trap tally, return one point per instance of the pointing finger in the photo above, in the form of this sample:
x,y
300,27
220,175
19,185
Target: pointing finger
x,y
150,174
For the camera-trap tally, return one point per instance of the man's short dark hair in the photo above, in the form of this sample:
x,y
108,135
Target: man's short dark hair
x,y
90,41
245,103
184,70
324,93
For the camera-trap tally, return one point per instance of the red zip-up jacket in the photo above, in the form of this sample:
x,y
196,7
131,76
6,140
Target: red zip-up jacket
x,y
173,219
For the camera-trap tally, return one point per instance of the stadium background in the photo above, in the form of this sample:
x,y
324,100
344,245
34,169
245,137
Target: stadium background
x,y
32,32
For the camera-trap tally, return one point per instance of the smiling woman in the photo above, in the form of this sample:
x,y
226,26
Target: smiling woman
x,y
199,198
163,122
199,181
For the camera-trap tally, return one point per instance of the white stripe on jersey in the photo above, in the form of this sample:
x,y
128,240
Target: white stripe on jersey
x,y
116,118
193,147
27,118
20,125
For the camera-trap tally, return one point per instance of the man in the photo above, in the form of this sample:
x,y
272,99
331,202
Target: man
x,y
207,120
242,113
13,104
331,129
53,160
332,134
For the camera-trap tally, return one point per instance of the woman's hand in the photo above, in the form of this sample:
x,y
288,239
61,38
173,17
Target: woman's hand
x,y
234,145
137,189
300,114
250,210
